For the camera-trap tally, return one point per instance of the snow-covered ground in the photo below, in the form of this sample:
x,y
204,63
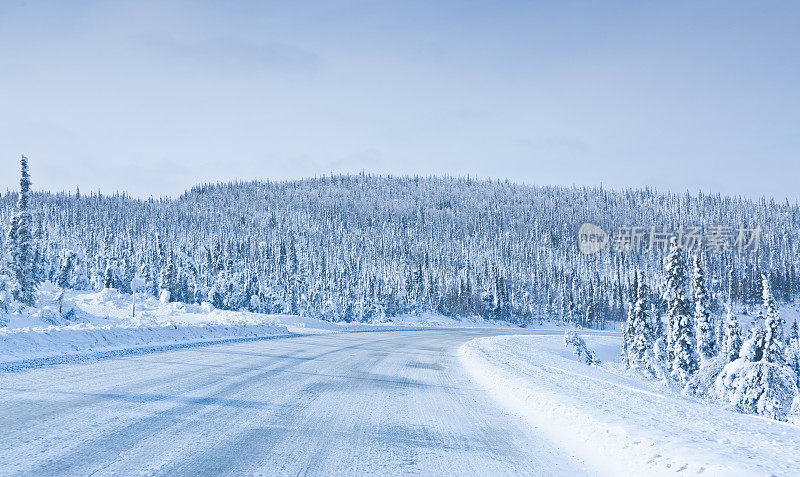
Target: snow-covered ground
x,y
608,421
623,425
89,323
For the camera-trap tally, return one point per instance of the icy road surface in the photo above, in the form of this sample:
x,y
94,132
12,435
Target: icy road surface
x,y
395,402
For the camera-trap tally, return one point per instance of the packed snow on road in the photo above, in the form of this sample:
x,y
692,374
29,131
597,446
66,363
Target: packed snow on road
x,y
424,394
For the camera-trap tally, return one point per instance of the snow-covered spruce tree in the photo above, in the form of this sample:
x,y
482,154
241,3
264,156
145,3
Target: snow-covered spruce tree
x,y
719,332
589,320
627,336
683,360
756,386
629,298
20,243
793,352
773,347
759,382
706,340
110,274
732,337
65,270
5,299
733,289
640,345
660,345
167,278
579,347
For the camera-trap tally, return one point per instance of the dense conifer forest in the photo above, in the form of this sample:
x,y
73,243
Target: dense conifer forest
x,y
364,247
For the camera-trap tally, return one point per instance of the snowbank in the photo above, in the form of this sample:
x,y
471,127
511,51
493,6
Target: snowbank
x,y
27,347
79,325
623,425
432,320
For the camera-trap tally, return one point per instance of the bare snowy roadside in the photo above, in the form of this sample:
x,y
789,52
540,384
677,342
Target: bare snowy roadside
x,y
99,324
622,425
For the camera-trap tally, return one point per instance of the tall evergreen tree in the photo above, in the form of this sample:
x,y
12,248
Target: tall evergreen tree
x,y
20,242
706,341
683,359
773,346
733,288
640,345
627,336
168,278
793,352
65,270
732,342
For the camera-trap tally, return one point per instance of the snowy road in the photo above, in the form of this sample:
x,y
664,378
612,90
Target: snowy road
x,y
394,402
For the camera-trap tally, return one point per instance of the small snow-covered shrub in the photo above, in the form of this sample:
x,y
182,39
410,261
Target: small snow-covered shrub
x,y
582,352
703,382
48,315
255,304
649,366
760,387
215,297
109,295
164,297
5,298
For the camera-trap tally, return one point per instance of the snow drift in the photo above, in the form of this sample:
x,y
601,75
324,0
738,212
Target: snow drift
x,y
76,325
620,424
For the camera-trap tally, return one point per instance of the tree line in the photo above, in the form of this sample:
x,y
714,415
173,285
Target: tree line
x,y
365,247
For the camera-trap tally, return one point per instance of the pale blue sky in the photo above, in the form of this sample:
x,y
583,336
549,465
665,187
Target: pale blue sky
x,y
153,97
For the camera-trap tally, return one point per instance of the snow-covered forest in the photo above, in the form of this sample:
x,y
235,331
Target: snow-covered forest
x,y
358,247
757,371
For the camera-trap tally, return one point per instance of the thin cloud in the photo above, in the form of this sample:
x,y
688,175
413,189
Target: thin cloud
x,y
235,53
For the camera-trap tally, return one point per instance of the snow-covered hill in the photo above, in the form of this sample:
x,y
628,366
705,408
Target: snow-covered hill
x,y
360,247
